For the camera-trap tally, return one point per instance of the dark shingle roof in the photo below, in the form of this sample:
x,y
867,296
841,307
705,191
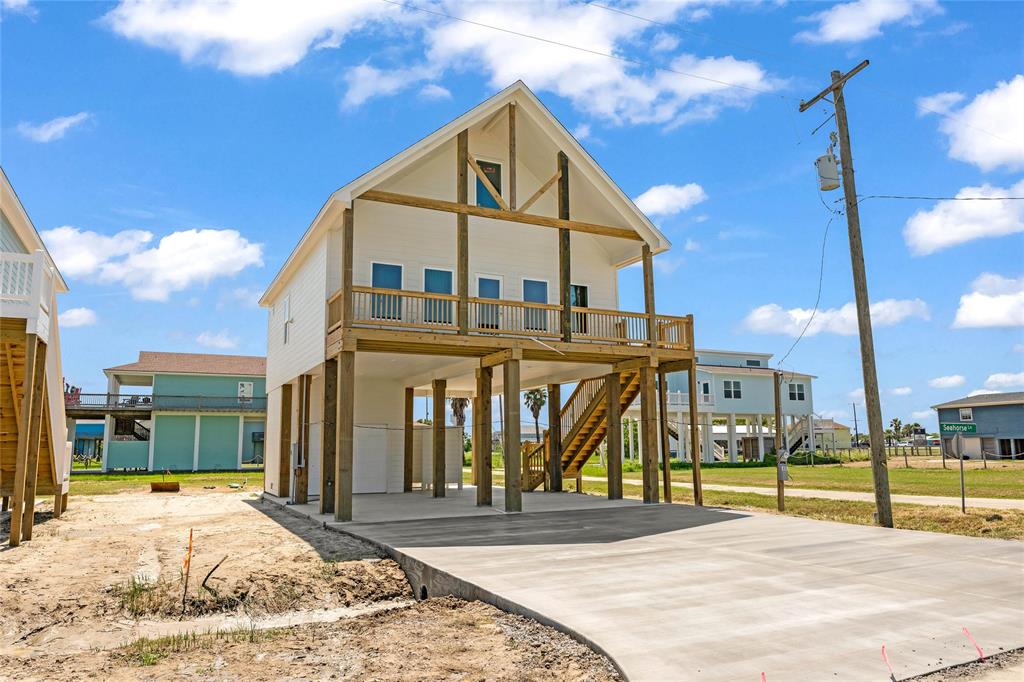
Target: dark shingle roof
x,y
984,399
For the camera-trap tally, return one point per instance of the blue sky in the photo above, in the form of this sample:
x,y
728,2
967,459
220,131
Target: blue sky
x,y
172,154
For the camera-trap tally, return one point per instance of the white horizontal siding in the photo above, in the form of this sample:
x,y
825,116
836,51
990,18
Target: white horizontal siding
x,y
307,294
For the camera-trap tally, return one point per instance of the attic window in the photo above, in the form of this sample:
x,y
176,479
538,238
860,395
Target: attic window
x,y
493,172
753,363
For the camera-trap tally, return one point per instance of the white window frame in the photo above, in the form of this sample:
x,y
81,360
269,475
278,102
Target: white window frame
x,y
439,268
732,389
499,278
797,392
400,266
522,290
970,414
245,391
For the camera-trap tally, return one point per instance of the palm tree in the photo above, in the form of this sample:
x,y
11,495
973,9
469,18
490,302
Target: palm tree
x,y
459,410
898,430
535,399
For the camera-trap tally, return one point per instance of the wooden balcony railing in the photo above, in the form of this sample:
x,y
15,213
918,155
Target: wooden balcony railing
x,y
401,308
119,402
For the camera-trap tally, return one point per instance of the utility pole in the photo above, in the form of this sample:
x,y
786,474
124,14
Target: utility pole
x,y
879,466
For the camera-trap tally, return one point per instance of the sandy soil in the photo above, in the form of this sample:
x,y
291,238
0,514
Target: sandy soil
x,y
98,593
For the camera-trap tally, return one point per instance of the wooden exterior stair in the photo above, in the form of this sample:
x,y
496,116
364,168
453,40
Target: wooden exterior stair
x,y
584,422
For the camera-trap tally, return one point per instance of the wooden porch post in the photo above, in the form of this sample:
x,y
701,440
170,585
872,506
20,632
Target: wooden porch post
x,y
513,442
35,431
347,241
555,437
512,156
438,387
649,433
691,377
484,377
474,439
284,444
666,454
21,458
462,224
613,462
328,437
302,468
564,257
343,432
652,328
410,396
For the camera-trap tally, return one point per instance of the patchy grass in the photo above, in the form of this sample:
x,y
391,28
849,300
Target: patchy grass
x,y
1007,524
148,651
110,484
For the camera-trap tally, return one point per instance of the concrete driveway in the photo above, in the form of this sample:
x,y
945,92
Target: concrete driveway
x,y
680,593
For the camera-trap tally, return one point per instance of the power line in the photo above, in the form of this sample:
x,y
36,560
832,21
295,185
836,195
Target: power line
x,y
817,299
890,93
864,197
549,41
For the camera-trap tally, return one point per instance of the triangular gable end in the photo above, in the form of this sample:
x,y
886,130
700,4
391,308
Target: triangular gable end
x,y
535,117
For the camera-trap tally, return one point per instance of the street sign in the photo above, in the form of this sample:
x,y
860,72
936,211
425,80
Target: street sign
x,y
958,428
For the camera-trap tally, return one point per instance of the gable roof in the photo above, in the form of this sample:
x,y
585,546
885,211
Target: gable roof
x,y
519,93
18,217
153,362
984,399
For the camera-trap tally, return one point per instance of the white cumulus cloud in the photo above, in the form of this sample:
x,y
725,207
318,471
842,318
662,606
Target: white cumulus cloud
x,y
949,223
178,261
774,319
53,129
77,317
664,200
988,131
901,390
435,91
852,22
260,38
949,381
994,301
1005,380
221,340
922,414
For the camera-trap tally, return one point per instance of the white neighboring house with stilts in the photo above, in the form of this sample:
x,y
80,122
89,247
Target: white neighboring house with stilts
x,y
736,407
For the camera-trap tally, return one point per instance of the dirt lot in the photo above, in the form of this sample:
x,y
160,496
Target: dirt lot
x,y
100,593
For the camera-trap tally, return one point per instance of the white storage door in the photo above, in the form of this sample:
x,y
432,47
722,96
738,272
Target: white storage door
x,y
370,460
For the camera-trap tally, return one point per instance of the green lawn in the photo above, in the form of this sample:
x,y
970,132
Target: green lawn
x,y
108,484
1001,479
989,523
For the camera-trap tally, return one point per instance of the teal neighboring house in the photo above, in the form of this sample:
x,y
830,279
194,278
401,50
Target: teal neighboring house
x,y
204,412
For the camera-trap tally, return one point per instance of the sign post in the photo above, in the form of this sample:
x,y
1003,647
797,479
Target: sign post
x,y
958,444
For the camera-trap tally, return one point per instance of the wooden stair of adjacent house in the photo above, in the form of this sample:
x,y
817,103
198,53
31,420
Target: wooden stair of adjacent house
x,y
13,343
584,425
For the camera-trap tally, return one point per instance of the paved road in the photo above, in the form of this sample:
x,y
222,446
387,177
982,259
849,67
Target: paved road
x,y
930,500
673,592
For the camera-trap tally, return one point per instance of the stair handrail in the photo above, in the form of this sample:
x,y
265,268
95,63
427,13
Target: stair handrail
x,y
578,402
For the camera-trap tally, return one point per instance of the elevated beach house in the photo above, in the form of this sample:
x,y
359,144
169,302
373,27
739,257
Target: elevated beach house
x,y
482,260
179,412
35,457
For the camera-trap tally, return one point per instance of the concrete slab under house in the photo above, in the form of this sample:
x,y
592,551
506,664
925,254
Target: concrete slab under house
x,y
179,412
482,261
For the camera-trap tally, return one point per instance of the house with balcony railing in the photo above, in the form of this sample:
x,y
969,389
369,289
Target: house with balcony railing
x,y
736,409
481,260
35,456
179,412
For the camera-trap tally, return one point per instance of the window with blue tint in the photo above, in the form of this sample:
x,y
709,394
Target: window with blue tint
x,y
386,306
535,291
490,315
493,173
438,282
